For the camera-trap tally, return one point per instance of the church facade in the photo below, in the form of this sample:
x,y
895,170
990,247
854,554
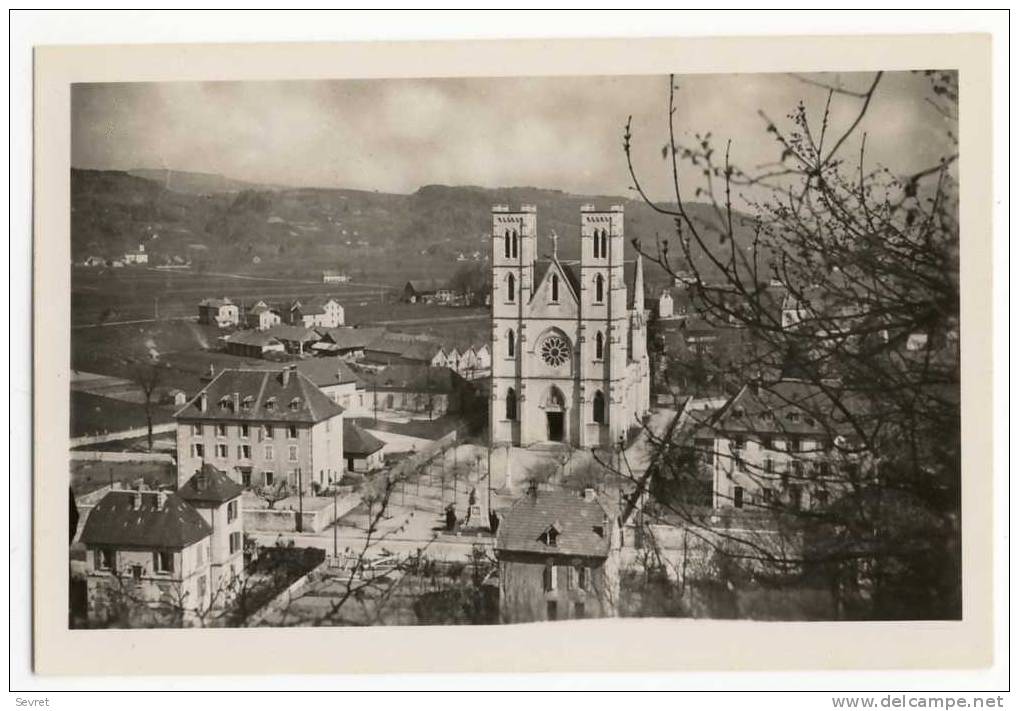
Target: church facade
x,y
569,338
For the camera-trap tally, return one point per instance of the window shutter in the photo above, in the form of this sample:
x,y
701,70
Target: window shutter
x,y
155,561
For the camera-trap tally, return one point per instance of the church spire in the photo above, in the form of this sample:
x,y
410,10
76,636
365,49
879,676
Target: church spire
x,y
638,284
555,245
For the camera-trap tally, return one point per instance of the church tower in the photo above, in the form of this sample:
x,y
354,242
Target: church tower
x,y
604,320
514,251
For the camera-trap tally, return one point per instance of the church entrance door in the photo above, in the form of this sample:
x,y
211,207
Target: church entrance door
x,y
555,426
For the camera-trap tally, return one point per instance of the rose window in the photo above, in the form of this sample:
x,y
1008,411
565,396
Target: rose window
x,y
555,350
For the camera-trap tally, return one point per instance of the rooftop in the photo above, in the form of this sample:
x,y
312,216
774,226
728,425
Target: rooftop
x,y
358,441
258,395
583,526
115,521
210,485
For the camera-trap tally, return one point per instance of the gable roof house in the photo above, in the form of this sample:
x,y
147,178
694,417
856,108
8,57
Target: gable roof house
x,y
316,312
262,427
558,557
295,339
217,498
147,559
253,344
361,449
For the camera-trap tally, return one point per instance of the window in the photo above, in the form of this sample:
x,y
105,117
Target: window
x,y
246,478
555,288
798,469
551,536
269,478
162,561
741,464
549,578
201,588
511,344
767,443
578,610
268,452
737,497
247,402
821,498
196,429
794,416
552,610
767,496
599,346
506,245
231,510
235,542
221,430
270,404
769,465
514,237
293,453
511,288
221,451
198,450
604,245
245,431
599,289
267,431
292,431
106,559
599,407
824,468
794,444
795,496
244,451
199,554
738,443
136,573
511,404
583,577
295,404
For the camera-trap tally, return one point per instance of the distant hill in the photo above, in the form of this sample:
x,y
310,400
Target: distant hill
x,y
227,224
183,181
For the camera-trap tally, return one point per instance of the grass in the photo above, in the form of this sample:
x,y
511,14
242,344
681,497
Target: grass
x,y
95,414
87,477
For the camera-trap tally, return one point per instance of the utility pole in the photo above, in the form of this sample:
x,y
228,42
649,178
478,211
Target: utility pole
x,y
300,501
335,525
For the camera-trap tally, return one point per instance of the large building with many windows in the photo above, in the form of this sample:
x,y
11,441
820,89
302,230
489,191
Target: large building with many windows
x,y
262,428
569,338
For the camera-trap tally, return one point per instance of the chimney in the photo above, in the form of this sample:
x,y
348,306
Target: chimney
x,y
589,494
237,402
287,374
162,497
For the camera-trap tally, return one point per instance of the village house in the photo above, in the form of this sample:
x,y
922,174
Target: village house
x,y
253,344
331,276
296,340
139,256
218,312
406,349
558,556
347,342
361,449
777,447
217,498
419,389
262,316
263,428
427,291
148,559
316,312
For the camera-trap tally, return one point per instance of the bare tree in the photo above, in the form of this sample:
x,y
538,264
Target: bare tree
x,y
865,266
148,373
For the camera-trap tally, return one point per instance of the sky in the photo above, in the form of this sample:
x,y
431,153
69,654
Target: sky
x,y
397,135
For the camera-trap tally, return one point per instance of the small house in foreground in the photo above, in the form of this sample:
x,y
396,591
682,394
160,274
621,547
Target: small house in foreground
x,y
558,558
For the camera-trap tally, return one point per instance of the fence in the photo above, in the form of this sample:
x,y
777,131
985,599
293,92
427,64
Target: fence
x,y
99,456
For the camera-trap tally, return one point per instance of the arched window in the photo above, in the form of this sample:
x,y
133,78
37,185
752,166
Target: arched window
x,y
596,244
514,244
599,288
599,408
555,287
599,346
506,245
511,343
511,404
604,245
511,288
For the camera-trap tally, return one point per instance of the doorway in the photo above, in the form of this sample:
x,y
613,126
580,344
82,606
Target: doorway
x,y
555,426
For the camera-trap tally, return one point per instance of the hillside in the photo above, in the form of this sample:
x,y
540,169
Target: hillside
x,y
302,231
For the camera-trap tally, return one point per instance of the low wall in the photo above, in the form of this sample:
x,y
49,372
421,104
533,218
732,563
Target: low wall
x,y
166,428
285,520
283,600
89,455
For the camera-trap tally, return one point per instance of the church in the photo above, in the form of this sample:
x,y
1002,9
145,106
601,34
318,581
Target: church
x,y
569,338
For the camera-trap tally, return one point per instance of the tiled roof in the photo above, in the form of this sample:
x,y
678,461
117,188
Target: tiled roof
x,y
296,334
412,378
785,407
323,372
543,265
252,338
116,522
210,485
425,286
261,396
347,337
216,303
357,441
577,521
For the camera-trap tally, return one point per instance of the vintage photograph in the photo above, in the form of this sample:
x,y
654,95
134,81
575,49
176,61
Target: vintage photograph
x,y
491,351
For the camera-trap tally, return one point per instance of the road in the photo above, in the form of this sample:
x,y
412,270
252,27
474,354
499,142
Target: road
x,y
444,547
